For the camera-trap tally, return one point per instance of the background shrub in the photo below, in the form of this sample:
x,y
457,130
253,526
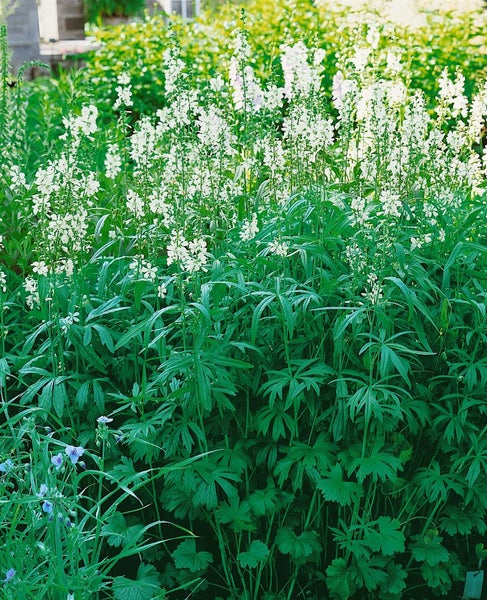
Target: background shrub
x,y
259,314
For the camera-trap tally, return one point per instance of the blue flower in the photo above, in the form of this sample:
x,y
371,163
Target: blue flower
x,y
74,453
104,420
6,466
9,575
57,460
47,507
42,491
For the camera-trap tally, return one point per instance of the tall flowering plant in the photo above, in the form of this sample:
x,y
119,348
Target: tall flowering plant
x,y
276,291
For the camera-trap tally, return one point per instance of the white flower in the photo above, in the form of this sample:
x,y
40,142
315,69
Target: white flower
x,y
66,322
87,120
249,228
246,91
32,298
217,83
104,420
452,96
124,92
17,177
173,70
393,61
142,269
214,131
278,248
416,243
40,268
198,256
65,266
177,250
390,204
85,123
374,293
299,77
396,93
361,58
192,256
113,162
162,291
123,79
241,46
135,204
124,97
373,37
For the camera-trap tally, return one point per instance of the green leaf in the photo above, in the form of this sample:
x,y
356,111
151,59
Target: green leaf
x,y
428,549
105,337
395,582
335,489
45,397
257,553
458,522
386,538
437,577
369,573
268,501
144,587
118,534
4,371
339,580
297,546
211,477
59,396
186,557
379,465
237,514
82,394
108,307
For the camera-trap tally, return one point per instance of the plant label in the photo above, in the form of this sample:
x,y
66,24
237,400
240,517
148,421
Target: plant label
x,y
473,585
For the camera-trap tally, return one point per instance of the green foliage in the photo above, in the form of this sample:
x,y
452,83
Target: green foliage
x,y
260,311
207,45
256,554
185,556
144,587
95,10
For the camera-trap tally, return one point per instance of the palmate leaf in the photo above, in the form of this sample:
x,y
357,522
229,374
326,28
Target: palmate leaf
x,y
379,465
186,557
144,587
268,501
297,546
395,582
335,489
428,549
237,514
437,577
257,553
118,534
349,538
277,420
457,521
385,537
209,479
339,580
369,573
306,459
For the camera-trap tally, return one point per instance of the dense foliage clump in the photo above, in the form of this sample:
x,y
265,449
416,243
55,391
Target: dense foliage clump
x,y
435,40
243,335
